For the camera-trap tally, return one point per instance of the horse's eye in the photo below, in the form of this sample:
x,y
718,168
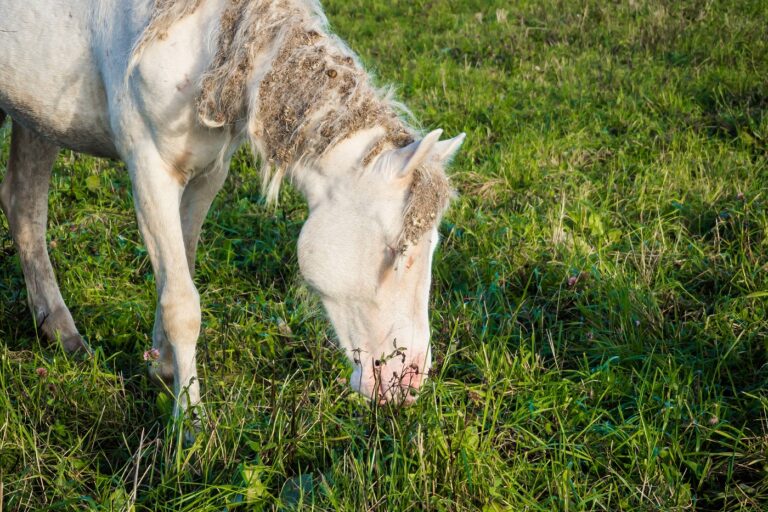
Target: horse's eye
x,y
377,363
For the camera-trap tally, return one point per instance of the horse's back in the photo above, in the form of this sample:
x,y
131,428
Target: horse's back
x,y
49,76
63,67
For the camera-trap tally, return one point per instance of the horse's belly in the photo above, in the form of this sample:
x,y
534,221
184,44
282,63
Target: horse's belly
x,y
49,81
68,124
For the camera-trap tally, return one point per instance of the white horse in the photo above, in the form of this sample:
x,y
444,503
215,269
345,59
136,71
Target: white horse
x,y
173,87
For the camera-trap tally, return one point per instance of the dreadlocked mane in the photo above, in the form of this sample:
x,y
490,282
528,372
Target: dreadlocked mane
x,y
299,92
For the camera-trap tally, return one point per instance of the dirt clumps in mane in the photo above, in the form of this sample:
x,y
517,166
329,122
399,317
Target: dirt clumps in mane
x,y
429,195
247,29
315,96
311,94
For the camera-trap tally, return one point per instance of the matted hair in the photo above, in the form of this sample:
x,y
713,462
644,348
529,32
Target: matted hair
x,y
298,90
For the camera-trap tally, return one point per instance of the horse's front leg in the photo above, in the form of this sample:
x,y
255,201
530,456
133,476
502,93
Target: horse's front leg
x,y
157,197
195,203
196,200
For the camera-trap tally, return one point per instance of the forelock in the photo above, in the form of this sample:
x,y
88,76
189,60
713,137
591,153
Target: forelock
x,y
428,198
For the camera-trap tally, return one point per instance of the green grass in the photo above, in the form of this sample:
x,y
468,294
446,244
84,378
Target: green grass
x,y
599,304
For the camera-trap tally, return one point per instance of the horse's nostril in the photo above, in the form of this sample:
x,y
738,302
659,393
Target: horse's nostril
x,y
414,367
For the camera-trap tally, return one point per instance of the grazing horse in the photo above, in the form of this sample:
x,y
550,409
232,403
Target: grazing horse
x,y
172,88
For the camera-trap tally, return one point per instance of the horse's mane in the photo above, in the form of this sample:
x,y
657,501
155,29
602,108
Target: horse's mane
x,y
297,89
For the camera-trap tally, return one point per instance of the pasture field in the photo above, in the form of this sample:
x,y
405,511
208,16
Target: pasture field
x,y
599,299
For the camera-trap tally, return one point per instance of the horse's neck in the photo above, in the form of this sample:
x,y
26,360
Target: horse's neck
x,y
340,164
313,108
309,107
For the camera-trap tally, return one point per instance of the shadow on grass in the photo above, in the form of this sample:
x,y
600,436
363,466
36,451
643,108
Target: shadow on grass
x,y
734,113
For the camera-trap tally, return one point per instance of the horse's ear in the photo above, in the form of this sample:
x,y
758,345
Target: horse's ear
x,y
445,150
402,162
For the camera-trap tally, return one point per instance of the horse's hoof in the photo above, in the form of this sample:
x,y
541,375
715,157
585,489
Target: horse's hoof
x,y
192,423
189,436
75,344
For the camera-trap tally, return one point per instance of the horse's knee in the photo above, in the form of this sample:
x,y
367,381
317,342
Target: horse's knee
x,y
181,315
